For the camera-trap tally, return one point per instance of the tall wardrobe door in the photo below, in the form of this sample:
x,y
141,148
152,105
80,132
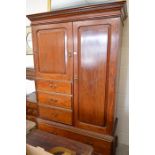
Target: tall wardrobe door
x,y
92,55
53,51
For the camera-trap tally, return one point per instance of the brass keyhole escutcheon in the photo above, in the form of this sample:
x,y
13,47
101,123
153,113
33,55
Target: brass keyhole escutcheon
x,y
69,54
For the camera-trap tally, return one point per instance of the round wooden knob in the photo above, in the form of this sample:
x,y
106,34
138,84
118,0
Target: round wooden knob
x,y
35,112
53,100
52,85
29,111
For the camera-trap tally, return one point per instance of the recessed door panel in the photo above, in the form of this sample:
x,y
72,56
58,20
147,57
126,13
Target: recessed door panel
x,y
93,41
53,49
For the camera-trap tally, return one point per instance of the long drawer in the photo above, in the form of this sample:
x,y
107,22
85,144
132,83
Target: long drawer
x,y
100,145
54,86
55,114
54,99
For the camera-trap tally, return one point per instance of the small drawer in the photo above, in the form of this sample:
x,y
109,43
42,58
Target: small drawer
x,y
56,114
62,101
54,86
31,105
31,111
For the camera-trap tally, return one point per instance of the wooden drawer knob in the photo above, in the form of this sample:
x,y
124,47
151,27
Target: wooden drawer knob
x,y
55,133
34,112
52,85
53,100
54,115
89,143
29,111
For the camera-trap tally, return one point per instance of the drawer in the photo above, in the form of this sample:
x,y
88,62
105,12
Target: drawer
x,y
54,86
63,101
31,111
31,105
55,114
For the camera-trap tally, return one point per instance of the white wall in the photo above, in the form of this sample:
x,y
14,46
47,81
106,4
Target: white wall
x,y
123,90
35,6
59,4
65,4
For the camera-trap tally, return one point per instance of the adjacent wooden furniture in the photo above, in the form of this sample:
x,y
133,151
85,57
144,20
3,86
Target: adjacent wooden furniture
x,y
49,141
31,107
31,100
76,57
30,74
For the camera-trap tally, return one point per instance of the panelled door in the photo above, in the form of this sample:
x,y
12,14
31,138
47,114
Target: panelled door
x,y
53,48
94,73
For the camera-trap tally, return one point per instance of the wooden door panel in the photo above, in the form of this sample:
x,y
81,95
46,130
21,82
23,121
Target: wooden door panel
x,y
52,51
95,60
93,41
53,46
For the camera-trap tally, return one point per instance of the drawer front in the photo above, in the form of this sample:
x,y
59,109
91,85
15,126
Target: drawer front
x,y
63,101
31,111
54,86
31,105
100,146
54,114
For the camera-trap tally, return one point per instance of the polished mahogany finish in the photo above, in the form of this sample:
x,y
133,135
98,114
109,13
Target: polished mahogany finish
x,y
31,107
53,51
96,47
92,45
53,99
106,10
55,114
64,87
77,56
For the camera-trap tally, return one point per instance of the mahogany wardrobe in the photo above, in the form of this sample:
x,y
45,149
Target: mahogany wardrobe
x,y
77,57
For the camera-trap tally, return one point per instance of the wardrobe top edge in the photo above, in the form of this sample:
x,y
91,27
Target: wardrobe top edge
x,y
104,7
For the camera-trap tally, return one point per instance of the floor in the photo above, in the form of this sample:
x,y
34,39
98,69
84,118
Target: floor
x,y
122,149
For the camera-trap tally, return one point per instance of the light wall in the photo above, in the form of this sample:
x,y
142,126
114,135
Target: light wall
x,y
123,89
35,6
58,4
